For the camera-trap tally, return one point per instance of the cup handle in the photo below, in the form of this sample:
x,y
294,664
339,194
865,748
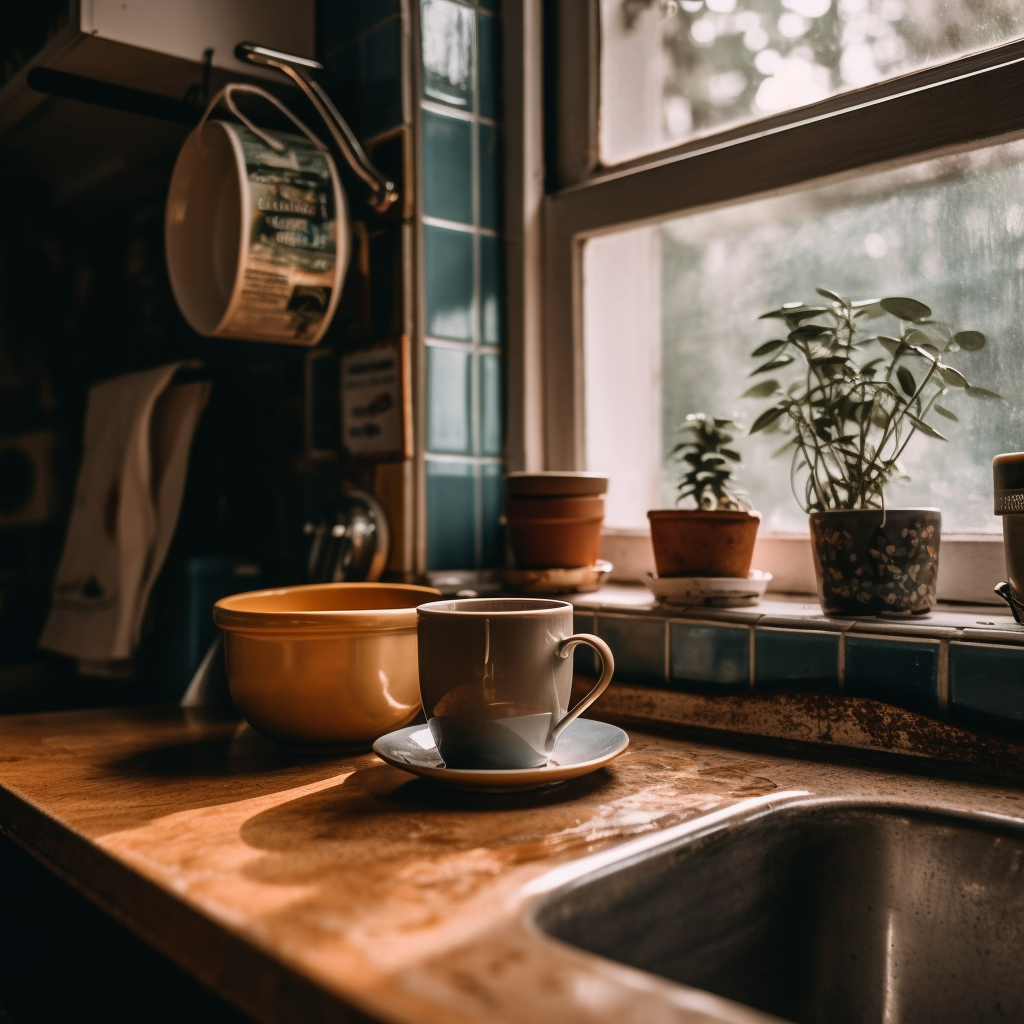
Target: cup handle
x,y
565,648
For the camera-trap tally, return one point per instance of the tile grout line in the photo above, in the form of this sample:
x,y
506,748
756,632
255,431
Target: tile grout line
x,y
667,667
753,655
841,663
943,677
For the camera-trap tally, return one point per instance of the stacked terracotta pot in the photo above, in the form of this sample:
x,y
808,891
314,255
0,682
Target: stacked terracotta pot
x,y
554,519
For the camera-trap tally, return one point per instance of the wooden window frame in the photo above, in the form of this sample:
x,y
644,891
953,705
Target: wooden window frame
x,y
959,105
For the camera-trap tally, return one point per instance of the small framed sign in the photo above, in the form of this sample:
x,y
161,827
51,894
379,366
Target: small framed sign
x,y
376,401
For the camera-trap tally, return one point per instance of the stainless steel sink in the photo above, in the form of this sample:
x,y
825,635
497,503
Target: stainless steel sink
x,y
820,913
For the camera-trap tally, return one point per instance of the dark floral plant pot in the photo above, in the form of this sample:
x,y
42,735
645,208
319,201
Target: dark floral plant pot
x,y
868,561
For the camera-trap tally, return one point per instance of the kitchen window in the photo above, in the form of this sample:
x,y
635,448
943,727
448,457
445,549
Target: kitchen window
x,y
895,168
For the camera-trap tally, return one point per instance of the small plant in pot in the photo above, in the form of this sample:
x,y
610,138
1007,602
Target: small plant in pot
x,y
717,537
858,399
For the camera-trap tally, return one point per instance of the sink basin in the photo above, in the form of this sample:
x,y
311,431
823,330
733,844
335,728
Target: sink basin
x,y
820,914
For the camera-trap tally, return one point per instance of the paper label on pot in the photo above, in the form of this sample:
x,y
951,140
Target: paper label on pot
x,y
288,270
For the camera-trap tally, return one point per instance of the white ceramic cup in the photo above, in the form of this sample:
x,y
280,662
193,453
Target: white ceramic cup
x,y
495,678
256,229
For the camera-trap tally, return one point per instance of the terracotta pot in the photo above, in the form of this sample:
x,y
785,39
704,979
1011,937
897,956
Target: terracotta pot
x,y
554,533
692,542
554,485
867,561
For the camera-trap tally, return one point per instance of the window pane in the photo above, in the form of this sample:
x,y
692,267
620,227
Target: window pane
x,y
675,69
948,231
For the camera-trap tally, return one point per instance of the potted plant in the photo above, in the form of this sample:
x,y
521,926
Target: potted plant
x,y
857,400
717,537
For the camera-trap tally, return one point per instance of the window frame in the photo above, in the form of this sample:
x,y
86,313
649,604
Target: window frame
x,y
955,106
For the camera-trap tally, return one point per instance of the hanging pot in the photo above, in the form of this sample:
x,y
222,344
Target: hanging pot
x,y
869,562
256,229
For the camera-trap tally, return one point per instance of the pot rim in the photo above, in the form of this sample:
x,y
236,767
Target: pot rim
x,y
253,621
875,511
672,513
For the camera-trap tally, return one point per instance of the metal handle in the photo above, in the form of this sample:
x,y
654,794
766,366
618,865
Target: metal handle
x,y
384,192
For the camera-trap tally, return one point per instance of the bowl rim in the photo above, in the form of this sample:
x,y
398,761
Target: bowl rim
x,y
240,620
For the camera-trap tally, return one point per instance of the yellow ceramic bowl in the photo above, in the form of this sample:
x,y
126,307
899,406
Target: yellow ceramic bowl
x,y
326,665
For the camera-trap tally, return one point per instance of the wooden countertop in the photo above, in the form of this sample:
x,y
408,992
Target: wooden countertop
x,y
344,889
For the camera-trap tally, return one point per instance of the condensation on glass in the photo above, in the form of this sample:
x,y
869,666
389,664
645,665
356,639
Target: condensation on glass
x,y
671,316
673,70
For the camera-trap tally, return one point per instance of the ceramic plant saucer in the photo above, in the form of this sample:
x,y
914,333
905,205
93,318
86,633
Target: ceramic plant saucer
x,y
584,580
583,747
716,591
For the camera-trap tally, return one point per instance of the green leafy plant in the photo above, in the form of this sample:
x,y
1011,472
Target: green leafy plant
x,y
861,395
710,475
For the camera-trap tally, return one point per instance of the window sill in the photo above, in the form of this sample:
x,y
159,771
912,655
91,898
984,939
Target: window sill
x,y
970,564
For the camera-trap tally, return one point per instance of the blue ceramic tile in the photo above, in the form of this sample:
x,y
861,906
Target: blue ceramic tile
x,y
489,66
343,20
796,658
986,685
489,5
447,167
451,515
585,661
448,400
492,432
900,672
492,289
448,256
490,178
447,30
638,645
709,655
492,500
380,86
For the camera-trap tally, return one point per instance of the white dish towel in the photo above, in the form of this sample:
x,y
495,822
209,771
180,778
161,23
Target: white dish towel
x,y
138,433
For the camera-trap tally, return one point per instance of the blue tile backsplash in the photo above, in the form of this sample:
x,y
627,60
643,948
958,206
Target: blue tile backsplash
x,y
795,659
986,685
638,646
707,655
897,671
463,278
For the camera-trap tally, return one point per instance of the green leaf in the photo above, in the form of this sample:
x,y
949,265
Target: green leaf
x,y
906,379
773,365
892,346
971,341
943,411
871,308
768,417
906,309
925,429
796,311
762,390
954,377
826,294
730,454
985,393
768,346
810,332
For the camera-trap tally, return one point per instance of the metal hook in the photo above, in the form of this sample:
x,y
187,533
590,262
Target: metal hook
x,y
1005,591
385,194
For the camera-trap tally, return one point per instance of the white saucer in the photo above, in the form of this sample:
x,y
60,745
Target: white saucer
x,y
584,580
583,747
716,591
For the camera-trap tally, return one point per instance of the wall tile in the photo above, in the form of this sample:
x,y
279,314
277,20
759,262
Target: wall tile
x,y
489,66
796,659
343,20
448,256
451,515
447,168
490,178
492,298
380,73
900,672
448,400
718,656
986,686
447,30
492,501
490,5
492,419
638,645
